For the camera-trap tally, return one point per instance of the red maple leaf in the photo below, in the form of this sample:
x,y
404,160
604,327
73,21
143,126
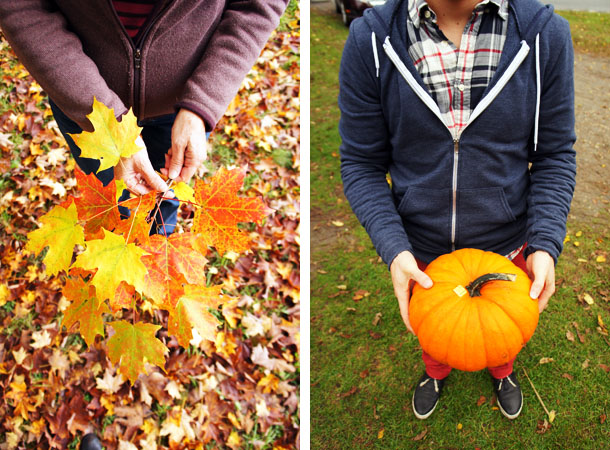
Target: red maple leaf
x,y
97,205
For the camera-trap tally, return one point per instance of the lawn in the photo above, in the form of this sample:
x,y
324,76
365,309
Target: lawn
x,y
363,362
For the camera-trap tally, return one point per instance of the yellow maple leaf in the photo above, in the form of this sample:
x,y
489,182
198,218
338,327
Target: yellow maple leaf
x,y
110,139
60,232
115,261
184,192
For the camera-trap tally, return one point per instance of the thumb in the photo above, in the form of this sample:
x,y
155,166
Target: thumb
x,y
177,161
422,279
536,288
153,179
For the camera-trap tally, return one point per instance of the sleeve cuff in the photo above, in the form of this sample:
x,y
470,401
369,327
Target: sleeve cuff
x,y
207,119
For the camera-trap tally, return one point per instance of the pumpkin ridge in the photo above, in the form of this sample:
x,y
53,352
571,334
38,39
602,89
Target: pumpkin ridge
x,y
501,308
506,343
483,333
464,305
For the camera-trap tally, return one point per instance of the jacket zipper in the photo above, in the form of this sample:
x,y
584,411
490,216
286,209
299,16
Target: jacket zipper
x,y
481,106
137,52
456,155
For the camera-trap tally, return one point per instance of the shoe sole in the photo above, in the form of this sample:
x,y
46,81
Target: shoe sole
x,y
424,416
511,416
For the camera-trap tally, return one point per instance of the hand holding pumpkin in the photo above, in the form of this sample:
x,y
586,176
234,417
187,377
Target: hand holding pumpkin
x,y
541,269
404,273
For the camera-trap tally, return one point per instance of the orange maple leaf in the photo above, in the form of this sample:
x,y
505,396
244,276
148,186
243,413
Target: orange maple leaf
x,y
171,263
135,227
219,210
97,205
85,309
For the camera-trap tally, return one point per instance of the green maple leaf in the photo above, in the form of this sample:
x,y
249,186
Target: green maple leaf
x,y
60,232
115,261
110,140
85,309
132,346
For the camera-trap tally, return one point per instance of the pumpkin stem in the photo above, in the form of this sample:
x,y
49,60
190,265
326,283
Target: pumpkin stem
x,y
474,288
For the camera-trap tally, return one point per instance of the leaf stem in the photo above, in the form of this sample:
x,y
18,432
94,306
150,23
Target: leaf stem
x,y
134,219
158,206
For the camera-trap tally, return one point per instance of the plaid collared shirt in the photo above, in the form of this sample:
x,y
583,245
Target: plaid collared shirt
x,y
457,77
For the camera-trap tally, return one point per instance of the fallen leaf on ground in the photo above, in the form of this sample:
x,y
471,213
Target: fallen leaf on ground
x,y
360,294
545,360
377,319
543,426
337,223
421,435
481,400
570,336
352,391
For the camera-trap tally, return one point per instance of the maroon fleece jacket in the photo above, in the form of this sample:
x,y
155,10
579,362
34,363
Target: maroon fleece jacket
x,y
194,54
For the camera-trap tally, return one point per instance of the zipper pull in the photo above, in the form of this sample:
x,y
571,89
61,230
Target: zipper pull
x,y
138,58
456,144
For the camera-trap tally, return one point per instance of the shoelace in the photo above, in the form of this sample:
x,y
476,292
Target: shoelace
x,y
502,379
428,379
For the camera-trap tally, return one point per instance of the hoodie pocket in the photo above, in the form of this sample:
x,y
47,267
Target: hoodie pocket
x,y
426,215
480,214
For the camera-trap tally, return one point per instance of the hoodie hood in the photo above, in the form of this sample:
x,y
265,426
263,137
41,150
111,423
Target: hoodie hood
x,y
527,18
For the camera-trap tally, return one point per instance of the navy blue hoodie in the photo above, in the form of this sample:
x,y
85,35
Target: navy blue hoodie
x,y
508,178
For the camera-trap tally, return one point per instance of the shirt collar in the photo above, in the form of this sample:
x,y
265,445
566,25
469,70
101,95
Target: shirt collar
x,y
417,9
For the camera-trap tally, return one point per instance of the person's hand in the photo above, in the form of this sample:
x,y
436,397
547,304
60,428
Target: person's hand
x,y
138,174
188,147
541,269
404,273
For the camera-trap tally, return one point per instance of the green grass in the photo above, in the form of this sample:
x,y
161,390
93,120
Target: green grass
x,y
589,31
362,375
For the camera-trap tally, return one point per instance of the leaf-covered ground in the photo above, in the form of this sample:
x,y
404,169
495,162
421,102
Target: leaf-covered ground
x,y
240,391
364,364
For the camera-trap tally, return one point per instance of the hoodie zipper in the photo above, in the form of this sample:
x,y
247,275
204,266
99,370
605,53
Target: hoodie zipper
x,y
481,106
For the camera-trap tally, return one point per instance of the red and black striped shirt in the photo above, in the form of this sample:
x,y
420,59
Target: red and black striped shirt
x,y
133,14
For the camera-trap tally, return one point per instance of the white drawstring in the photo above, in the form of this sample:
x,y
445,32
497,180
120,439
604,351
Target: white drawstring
x,y
375,55
537,92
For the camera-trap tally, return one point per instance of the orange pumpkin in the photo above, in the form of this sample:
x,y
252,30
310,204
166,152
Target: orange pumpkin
x,y
477,314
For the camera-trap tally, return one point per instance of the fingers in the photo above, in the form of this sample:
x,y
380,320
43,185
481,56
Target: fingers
x,y
405,272
176,160
542,269
402,294
422,279
196,154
